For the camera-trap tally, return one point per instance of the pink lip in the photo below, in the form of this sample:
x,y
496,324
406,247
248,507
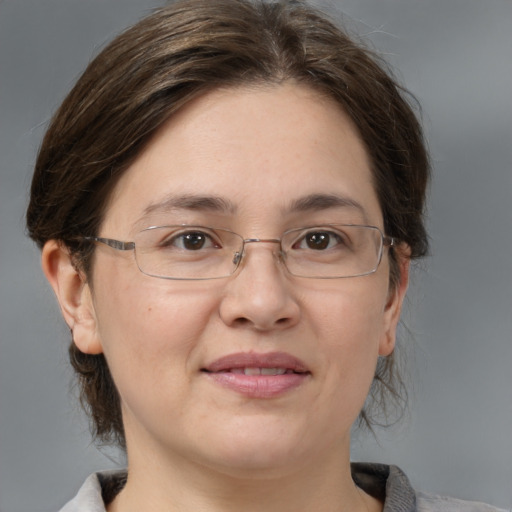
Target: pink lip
x,y
226,371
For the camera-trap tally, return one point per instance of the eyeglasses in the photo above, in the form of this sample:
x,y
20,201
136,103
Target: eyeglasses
x,y
187,252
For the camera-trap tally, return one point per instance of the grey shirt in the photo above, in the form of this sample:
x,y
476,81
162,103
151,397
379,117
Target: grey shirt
x,y
387,483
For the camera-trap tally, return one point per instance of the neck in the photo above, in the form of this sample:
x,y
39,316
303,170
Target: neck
x,y
173,485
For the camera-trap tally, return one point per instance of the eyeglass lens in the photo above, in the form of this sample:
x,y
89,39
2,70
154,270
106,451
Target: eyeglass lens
x,y
198,252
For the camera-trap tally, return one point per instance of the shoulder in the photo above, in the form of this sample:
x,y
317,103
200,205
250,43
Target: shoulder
x,y
390,485
433,503
98,489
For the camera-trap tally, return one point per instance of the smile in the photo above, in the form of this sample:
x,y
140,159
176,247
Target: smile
x,y
261,371
258,375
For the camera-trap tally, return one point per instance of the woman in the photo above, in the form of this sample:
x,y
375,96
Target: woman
x,y
227,204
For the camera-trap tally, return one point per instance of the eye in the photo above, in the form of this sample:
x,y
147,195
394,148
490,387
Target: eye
x,y
319,240
191,241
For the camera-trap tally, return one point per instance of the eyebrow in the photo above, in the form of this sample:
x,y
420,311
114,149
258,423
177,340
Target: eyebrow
x,y
209,203
319,202
191,202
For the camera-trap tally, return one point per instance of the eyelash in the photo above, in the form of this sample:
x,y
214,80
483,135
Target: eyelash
x,y
325,240
170,241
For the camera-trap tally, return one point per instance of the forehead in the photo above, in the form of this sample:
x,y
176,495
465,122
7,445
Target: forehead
x,y
258,151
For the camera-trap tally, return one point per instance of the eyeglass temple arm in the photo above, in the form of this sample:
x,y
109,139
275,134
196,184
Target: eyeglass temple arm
x,y
115,244
388,241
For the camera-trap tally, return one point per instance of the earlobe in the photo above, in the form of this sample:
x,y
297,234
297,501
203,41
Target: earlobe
x,y
394,305
73,294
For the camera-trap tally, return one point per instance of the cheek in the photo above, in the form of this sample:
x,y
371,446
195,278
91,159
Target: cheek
x,y
349,313
349,324
150,327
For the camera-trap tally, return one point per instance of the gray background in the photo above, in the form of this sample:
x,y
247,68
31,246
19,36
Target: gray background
x,y
455,55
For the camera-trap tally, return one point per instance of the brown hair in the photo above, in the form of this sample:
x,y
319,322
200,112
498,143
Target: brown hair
x,y
178,53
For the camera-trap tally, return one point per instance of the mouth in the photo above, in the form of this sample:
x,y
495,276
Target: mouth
x,y
261,371
252,363
258,375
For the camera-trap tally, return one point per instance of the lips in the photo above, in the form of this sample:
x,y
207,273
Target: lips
x,y
258,375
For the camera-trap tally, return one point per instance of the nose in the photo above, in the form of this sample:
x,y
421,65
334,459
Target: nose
x,y
260,295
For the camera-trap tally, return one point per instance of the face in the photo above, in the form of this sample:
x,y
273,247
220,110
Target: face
x,y
242,159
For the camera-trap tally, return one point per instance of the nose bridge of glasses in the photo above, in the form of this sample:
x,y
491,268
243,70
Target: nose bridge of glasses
x,y
262,240
238,255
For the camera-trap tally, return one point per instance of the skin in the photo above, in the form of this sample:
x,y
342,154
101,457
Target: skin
x,y
192,444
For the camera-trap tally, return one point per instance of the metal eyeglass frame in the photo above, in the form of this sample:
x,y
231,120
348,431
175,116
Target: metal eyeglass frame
x,y
386,241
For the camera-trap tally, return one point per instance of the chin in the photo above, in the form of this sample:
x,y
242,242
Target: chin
x,y
256,464
255,447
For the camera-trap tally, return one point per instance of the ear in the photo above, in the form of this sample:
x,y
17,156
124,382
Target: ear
x,y
73,294
394,304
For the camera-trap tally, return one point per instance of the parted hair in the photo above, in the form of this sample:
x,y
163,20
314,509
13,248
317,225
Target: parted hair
x,y
182,51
